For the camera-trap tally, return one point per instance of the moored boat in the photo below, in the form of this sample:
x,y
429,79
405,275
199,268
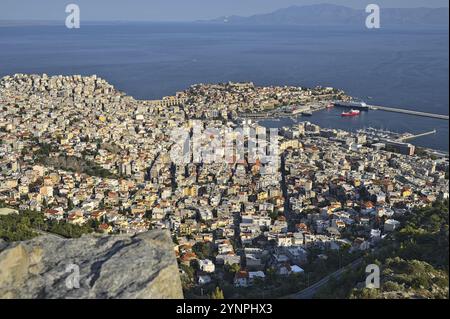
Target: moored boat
x,y
351,113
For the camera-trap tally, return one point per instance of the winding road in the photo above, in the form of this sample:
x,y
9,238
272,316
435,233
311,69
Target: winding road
x,y
309,292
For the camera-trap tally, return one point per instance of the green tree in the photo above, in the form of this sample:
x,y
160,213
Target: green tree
x,y
234,268
217,294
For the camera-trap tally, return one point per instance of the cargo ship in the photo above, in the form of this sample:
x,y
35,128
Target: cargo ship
x,y
351,113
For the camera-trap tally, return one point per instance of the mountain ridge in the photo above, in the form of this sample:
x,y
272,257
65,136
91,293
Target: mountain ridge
x,y
330,14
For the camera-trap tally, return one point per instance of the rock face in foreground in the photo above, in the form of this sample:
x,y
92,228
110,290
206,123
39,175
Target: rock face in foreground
x,y
122,266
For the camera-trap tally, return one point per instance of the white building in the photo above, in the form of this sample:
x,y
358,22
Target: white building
x,y
391,225
206,265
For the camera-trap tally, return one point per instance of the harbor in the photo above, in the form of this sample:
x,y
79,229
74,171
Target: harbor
x,y
425,132
308,110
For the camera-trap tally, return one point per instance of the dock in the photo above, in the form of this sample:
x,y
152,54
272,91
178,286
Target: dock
x,y
413,136
410,112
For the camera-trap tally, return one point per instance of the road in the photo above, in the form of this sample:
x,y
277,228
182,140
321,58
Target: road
x,y
309,292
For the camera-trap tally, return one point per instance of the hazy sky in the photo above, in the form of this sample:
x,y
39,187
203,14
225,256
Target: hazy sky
x,y
172,10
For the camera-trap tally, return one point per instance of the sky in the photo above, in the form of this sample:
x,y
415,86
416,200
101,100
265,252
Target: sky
x,y
173,10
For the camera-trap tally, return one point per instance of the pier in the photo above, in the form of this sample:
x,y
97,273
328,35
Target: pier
x,y
404,111
412,136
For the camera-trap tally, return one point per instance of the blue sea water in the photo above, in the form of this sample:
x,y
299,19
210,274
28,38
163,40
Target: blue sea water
x,y
400,67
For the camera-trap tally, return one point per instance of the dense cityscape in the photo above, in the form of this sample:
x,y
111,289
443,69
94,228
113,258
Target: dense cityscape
x,y
88,158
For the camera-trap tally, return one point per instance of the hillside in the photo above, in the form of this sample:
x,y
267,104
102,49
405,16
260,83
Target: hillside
x,y
414,263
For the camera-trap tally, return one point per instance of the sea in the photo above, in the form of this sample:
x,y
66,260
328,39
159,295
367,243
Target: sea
x,y
404,67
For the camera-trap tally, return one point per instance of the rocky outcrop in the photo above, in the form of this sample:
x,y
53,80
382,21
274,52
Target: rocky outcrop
x,y
122,266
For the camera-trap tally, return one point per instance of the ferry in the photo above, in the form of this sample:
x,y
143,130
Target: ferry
x,y
354,105
351,113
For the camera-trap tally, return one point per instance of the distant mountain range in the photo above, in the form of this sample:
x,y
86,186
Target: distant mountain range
x,y
329,14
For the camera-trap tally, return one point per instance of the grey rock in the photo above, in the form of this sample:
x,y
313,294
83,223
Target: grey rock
x,y
3,244
123,266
